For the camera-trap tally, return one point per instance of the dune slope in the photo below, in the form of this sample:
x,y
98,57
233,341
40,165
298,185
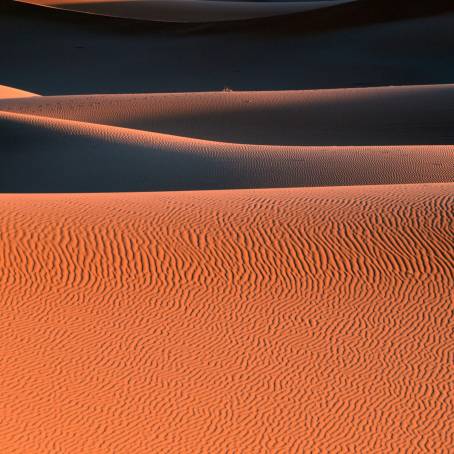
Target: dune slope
x,y
187,10
42,154
295,320
362,116
10,92
304,308
187,141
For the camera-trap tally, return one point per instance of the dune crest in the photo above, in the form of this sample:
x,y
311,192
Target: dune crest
x,y
188,141
186,10
407,115
54,155
7,92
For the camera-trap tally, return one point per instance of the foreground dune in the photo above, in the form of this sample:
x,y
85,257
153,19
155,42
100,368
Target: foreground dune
x,y
302,320
187,10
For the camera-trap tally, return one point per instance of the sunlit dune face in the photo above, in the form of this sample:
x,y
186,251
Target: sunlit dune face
x,y
10,93
262,321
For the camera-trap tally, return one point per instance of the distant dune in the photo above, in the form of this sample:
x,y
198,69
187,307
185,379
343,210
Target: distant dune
x,y
342,46
109,143
187,10
362,116
10,92
303,320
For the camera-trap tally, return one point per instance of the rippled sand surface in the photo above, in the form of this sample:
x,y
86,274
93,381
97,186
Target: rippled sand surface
x,y
266,269
293,320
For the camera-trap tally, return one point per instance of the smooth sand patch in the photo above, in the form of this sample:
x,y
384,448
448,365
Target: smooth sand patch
x,y
11,92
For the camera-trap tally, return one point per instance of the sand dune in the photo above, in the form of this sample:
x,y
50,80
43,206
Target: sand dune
x,y
304,308
363,116
304,320
331,48
142,143
51,155
10,92
187,10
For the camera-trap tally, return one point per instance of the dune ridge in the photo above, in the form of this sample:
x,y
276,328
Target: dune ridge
x,y
54,155
102,143
359,116
295,320
209,271
7,92
192,11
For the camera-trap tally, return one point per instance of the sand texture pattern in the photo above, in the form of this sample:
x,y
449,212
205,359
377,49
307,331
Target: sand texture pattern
x,y
226,227
138,143
302,320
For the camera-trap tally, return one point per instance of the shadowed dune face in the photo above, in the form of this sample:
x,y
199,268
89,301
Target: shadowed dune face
x,y
43,155
70,144
187,10
369,116
281,321
264,56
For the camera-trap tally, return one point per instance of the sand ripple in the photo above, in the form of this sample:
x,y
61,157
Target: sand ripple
x,y
227,140
302,320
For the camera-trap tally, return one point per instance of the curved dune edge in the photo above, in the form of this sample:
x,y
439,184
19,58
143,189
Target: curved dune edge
x,y
185,10
361,116
53,155
7,92
263,320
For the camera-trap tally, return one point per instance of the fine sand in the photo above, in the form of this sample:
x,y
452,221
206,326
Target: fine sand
x,y
302,320
10,92
186,269
413,115
137,142
192,11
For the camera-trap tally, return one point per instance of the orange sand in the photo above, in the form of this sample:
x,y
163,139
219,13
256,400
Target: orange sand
x,y
186,10
10,92
316,319
303,320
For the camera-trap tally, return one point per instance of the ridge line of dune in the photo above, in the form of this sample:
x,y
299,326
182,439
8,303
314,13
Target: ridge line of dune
x,y
185,11
366,116
98,158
